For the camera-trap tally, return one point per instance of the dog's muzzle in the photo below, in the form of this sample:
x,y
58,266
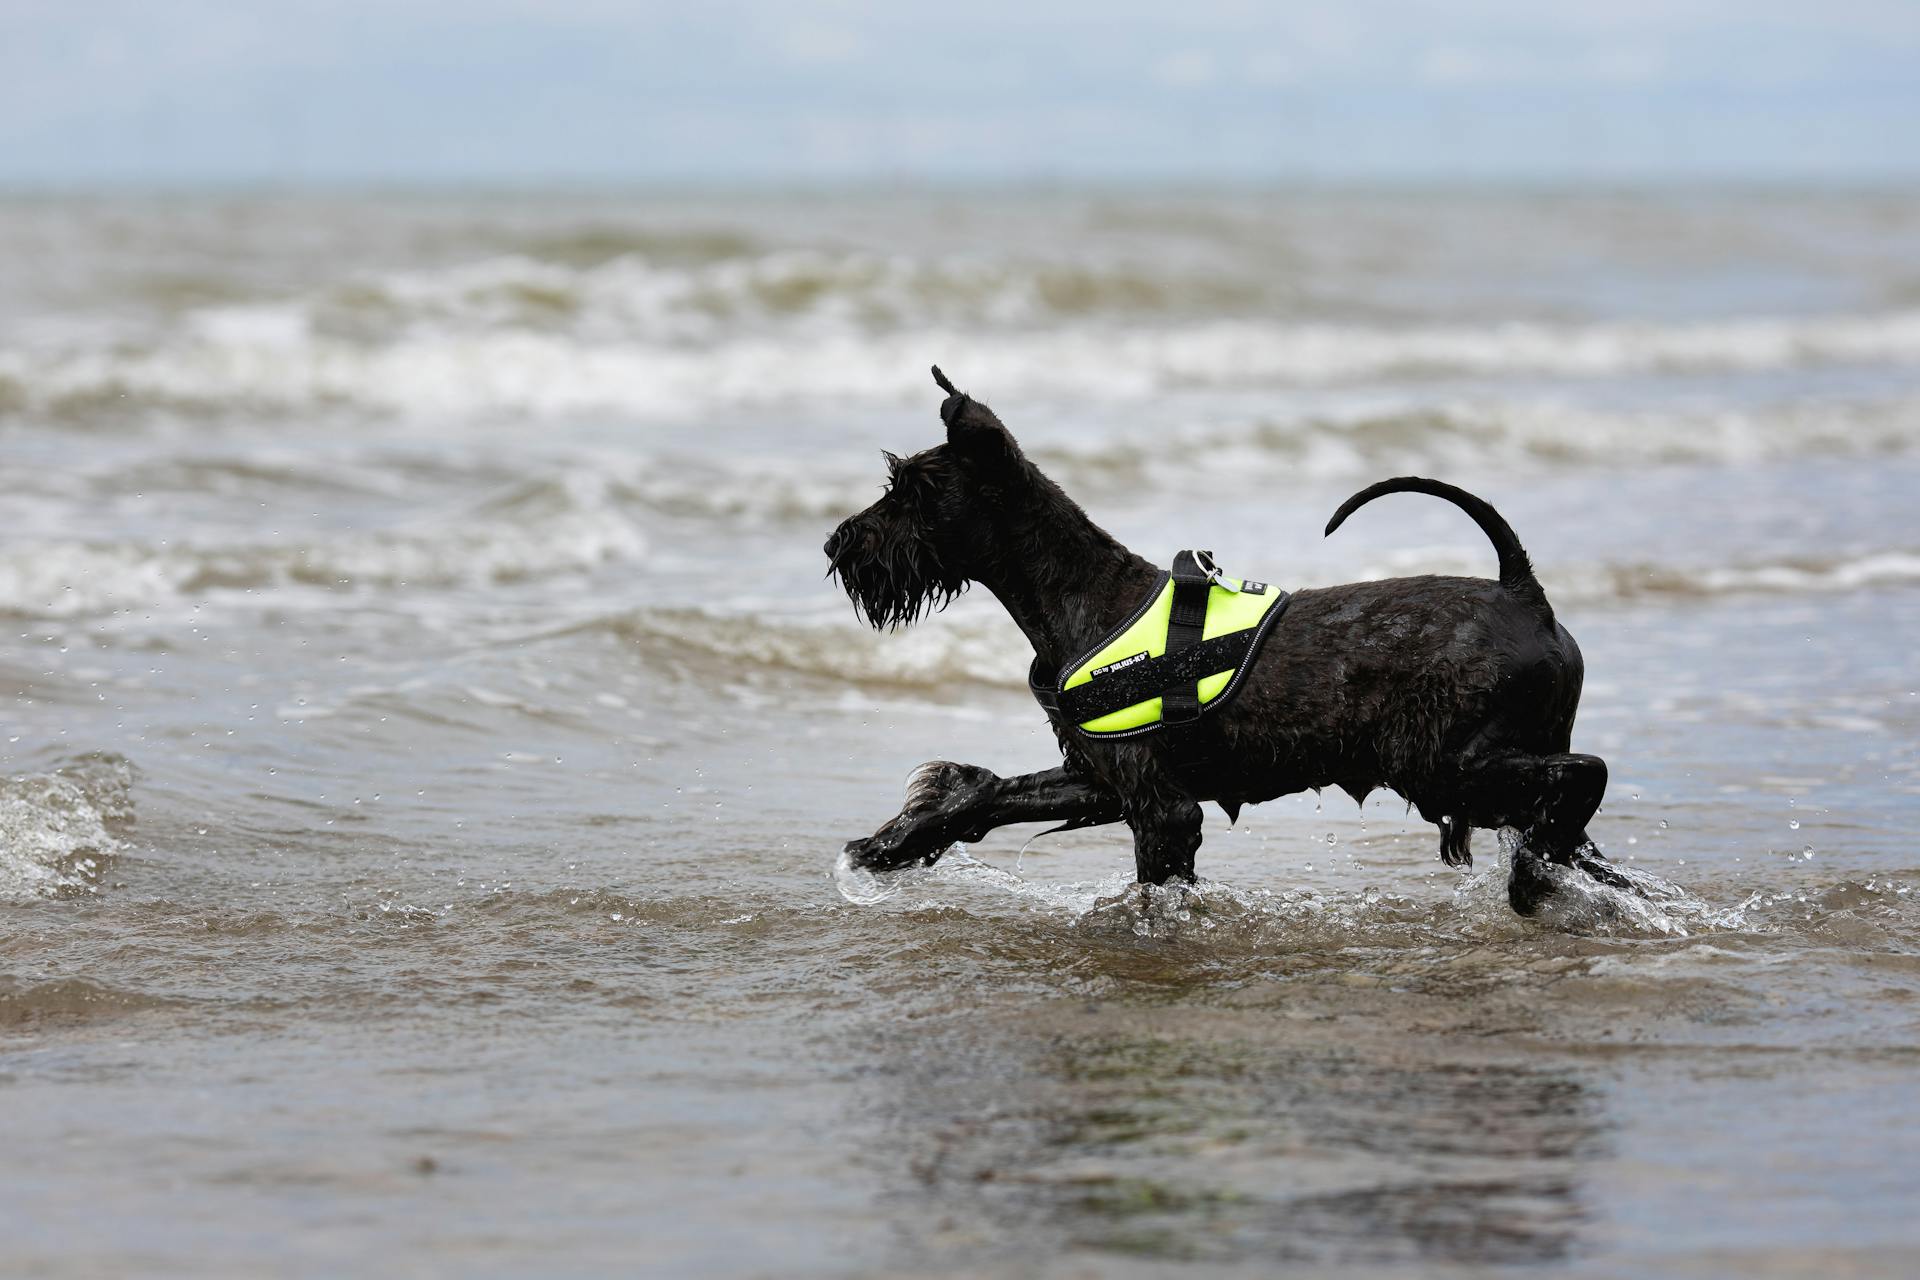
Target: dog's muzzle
x,y
837,544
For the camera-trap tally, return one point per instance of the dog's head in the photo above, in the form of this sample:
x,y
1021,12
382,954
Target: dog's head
x,y
937,526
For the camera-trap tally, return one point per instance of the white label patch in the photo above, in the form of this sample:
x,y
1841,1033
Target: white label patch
x,y
1121,665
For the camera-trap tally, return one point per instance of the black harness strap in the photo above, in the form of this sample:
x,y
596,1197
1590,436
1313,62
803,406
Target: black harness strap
x,y
1047,695
1192,580
1156,678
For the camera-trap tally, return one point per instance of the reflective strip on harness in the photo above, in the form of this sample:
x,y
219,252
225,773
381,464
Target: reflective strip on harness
x,y
1183,652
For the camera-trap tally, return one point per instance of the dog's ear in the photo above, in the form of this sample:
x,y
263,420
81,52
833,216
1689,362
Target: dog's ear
x,y
972,430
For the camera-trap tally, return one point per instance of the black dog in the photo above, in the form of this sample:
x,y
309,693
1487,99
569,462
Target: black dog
x,y
1459,694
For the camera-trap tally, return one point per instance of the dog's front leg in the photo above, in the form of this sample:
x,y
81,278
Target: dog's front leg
x,y
1166,836
949,802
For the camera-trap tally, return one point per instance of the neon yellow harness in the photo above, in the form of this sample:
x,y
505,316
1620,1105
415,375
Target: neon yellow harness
x,y
1182,653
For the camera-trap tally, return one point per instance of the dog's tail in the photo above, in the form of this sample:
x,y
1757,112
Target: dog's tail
x,y
1516,570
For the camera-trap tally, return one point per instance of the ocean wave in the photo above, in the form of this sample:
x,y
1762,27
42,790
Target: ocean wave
x,y
980,647
643,297
591,244
751,489
519,337
56,828
1404,434
575,521
68,1000
1600,584
1377,438
981,650
64,579
1365,437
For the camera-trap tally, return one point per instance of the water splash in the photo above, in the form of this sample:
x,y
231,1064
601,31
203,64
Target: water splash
x,y
1650,907
54,827
1116,907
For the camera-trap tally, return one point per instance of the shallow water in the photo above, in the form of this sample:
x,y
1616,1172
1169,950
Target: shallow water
x,y
430,739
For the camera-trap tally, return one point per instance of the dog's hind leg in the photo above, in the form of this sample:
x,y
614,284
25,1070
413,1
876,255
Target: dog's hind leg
x,y
949,802
1550,800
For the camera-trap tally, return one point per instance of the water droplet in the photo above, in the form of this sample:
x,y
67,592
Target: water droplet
x,y
1663,824
1332,838
1794,825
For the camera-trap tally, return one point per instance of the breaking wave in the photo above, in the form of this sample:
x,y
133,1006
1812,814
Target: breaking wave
x,y
575,521
634,336
62,579
1408,434
1365,440
980,650
1613,583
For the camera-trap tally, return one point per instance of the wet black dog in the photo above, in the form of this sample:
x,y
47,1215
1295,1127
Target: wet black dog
x,y
1457,693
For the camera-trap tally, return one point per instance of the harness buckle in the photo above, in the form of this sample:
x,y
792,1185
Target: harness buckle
x,y
1203,560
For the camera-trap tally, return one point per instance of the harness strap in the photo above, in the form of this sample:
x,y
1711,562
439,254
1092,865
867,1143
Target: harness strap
x,y
1044,693
1193,575
1161,678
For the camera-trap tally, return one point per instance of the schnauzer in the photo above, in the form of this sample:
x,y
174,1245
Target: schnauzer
x,y
1458,694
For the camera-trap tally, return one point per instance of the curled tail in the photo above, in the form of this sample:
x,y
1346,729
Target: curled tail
x,y
1516,570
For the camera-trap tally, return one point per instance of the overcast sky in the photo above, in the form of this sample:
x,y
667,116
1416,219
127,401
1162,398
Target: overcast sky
x,y
512,91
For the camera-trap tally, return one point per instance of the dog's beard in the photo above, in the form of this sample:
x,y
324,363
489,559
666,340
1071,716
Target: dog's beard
x,y
895,581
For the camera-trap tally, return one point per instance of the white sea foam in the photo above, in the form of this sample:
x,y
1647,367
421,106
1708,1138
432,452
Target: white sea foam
x,y
981,649
60,578
526,338
1380,432
1611,583
72,578
78,578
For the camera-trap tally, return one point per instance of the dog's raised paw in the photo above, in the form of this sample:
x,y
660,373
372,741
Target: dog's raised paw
x,y
878,852
933,818
940,783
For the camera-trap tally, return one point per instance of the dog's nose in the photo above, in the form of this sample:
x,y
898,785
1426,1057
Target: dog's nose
x,y
838,540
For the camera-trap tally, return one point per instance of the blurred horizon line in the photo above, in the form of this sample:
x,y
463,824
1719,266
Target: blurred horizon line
x,y
1571,183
